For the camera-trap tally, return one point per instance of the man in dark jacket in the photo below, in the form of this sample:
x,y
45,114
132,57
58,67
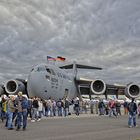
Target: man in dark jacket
x,y
35,106
132,109
101,107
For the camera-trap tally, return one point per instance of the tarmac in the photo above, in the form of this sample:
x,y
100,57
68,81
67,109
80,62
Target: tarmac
x,y
83,127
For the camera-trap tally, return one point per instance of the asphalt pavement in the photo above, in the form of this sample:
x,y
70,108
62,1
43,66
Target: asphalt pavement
x,y
83,127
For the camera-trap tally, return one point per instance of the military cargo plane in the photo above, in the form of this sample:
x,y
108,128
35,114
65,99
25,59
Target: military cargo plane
x,y
49,80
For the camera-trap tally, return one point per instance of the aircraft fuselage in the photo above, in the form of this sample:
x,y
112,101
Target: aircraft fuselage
x,y
47,81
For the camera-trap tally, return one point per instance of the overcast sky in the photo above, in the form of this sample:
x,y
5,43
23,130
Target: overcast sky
x,y
104,33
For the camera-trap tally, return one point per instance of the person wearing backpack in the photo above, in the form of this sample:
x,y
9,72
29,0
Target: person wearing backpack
x,y
132,111
66,107
22,106
59,107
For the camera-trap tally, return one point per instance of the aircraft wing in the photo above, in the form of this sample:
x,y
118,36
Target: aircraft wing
x,y
99,87
75,66
80,67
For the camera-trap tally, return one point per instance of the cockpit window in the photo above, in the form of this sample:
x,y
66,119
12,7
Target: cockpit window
x,y
52,71
32,69
40,69
48,70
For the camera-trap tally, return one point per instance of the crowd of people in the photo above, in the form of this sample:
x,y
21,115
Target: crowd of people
x,y
14,110
113,108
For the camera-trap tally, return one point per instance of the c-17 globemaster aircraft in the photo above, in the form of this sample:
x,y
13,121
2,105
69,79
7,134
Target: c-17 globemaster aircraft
x,y
48,80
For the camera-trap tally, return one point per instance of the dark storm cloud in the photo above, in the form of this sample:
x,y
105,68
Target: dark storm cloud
x,y
94,32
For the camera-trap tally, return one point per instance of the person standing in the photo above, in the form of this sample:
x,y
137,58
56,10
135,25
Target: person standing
x,y
132,111
92,106
96,106
40,108
118,108
10,110
49,106
66,107
138,110
53,107
22,106
59,107
35,110
101,107
112,108
29,110
77,106
125,105
3,108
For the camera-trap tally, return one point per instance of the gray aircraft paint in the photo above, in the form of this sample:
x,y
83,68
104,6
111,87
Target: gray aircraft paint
x,y
43,84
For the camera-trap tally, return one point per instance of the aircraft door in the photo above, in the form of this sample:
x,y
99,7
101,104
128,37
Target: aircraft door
x,y
66,94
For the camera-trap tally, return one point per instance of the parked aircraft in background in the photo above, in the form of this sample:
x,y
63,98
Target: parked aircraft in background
x,y
48,80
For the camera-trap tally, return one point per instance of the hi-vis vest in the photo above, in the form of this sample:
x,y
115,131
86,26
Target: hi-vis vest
x,y
4,106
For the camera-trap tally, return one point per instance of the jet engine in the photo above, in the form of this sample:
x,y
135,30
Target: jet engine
x,y
132,91
98,87
12,87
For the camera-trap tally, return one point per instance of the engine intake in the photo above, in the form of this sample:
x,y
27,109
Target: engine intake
x,y
98,87
132,91
12,87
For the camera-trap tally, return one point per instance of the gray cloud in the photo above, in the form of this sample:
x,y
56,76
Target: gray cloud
x,y
93,32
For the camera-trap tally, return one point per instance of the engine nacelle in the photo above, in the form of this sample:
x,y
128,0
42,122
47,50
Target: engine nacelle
x,y
132,91
12,87
98,87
